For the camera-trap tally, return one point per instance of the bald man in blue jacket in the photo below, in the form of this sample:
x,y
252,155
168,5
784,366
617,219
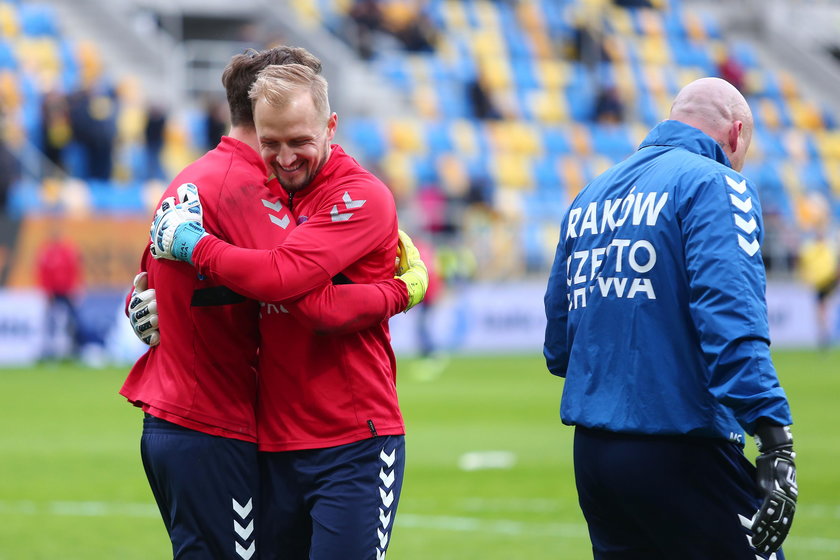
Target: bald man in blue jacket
x,y
658,321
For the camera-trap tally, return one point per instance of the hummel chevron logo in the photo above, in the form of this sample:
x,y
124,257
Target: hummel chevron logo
x,y
743,205
242,511
384,518
741,187
380,554
747,226
245,553
283,223
387,479
276,206
388,459
383,539
349,204
749,248
387,497
243,532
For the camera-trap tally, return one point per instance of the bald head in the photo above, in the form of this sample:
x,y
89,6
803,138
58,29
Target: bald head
x,y
717,108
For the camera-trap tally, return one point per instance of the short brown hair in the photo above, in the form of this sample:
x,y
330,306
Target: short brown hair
x,y
242,71
276,83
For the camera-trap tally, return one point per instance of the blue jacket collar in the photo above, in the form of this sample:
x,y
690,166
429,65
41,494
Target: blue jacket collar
x,y
680,135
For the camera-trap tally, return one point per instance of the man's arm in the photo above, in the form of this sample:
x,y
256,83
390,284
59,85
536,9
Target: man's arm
x,y
555,348
722,230
327,244
339,309
336,309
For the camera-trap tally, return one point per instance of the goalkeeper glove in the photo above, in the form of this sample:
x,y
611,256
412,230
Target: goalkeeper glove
x,y
142,311
411,270
177,226
776,475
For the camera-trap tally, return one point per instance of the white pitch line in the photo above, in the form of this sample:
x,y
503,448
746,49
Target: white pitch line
x,y
407,520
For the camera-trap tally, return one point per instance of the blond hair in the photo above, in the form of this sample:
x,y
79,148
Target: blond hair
x,y
277,84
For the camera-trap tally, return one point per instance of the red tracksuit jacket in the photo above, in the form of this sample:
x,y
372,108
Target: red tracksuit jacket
x,y
320,391
203,373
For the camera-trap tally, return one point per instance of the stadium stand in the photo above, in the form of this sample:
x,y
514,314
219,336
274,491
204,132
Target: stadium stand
x,y
528,146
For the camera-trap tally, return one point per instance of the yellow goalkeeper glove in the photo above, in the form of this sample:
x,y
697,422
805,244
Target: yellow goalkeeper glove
x,y
412,270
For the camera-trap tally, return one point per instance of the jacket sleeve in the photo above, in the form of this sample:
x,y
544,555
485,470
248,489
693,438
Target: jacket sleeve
x,y
556,347
722,231
338,309
328,243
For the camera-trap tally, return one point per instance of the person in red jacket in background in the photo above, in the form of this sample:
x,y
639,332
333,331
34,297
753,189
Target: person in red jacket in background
x,y
59,275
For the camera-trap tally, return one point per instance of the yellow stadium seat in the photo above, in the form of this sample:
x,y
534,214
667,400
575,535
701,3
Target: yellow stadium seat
x,y
572,174
548,107
552,74
406,135
399,174
651,23
581,139
828,144
805,115
465,137
512,171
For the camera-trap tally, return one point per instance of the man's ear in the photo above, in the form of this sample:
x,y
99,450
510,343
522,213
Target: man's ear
x,y
735,135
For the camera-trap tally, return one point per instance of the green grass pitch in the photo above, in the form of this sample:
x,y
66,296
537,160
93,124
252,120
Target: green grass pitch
x,y
489,472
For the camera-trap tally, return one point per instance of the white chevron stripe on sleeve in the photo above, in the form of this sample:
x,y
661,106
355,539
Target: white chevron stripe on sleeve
x,y
276,206
743,205
747,226
750,248
740,188
350,204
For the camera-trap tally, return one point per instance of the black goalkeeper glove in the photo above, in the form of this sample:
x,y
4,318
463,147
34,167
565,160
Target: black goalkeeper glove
x,y
777,479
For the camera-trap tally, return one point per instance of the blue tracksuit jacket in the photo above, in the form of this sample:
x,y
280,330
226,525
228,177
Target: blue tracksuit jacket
x,y
655,304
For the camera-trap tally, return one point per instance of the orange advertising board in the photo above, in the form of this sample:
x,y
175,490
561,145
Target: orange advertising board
x,y
111,248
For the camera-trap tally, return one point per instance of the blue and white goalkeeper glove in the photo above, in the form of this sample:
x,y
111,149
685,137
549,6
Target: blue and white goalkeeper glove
x,y
776,474
177,227
142,311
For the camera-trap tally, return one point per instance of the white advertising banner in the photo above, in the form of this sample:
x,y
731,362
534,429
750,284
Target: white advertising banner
x,y
792,313
502,318
22,326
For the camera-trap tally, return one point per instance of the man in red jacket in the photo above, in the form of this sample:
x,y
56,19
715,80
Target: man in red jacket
x,y
328,415
198,386
59,274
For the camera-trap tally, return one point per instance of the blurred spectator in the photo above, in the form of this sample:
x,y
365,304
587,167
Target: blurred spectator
x,y
609,108
9,167
417,34
55,128
366,16
154,139
482,105
731,70
781,243
587,43
59,275
93,119
633,3
424,330
216,121
819,267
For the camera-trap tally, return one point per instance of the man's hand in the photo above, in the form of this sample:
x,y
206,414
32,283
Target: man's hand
x,y
777,479
412,270
177,227
142,311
